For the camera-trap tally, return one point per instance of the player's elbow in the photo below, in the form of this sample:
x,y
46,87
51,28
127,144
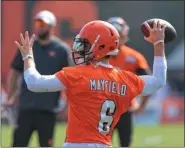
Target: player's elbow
x,y
31,82
31,87
152,84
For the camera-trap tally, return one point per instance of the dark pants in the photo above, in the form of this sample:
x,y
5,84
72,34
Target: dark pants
x,y
28,121
124,127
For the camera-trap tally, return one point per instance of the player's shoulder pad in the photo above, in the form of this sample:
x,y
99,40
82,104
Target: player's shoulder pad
x,y
75,69
125,72
130,76
73,73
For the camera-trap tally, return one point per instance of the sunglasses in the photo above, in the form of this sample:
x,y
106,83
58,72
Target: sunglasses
x,y
40,23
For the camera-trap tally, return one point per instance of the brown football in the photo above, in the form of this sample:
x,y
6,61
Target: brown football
x,y
170,32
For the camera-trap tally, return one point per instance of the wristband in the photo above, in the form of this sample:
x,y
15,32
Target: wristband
x,y
27,57
160,41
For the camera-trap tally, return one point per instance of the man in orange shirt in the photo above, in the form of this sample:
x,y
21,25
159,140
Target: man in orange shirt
x,y
133,61
97,92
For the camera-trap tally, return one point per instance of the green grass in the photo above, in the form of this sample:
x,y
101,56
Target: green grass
x,y
158,136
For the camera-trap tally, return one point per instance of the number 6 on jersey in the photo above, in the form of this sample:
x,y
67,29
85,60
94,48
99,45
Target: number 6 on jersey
x,y
107,111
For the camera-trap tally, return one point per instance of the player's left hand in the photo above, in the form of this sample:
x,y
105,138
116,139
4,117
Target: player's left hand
x,y
27,44
157,33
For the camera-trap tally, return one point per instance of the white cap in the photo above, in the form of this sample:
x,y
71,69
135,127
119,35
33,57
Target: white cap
x,y
46,16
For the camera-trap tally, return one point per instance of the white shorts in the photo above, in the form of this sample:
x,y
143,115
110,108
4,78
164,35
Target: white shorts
x,y
67,144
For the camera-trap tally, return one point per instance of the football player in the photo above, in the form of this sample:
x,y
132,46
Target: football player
x,y
131,60
97,92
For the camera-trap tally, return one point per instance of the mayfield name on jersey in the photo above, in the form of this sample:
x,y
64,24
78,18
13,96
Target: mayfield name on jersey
x,y
108,86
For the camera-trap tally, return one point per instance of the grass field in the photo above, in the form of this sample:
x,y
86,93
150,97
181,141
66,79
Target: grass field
x,y
158,136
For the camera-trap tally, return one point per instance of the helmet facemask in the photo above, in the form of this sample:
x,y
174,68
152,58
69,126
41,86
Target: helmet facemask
x,y
81,51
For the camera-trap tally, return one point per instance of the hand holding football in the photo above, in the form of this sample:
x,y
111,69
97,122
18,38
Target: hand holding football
x,y
170,32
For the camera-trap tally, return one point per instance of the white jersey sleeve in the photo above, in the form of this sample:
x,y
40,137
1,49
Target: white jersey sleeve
x,y
40,83
158,79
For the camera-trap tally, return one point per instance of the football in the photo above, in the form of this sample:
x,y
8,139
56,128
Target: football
x,y
170,32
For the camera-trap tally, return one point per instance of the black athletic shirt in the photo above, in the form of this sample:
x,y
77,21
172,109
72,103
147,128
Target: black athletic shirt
x,y
49,59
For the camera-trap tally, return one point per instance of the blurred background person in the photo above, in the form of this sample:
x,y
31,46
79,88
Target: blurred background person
x,y
131,60
36,111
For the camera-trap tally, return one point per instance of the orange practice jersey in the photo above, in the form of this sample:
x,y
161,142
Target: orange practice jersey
x,y
130,60
97,96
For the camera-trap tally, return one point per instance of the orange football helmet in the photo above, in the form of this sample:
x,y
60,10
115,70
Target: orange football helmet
x,y
95,40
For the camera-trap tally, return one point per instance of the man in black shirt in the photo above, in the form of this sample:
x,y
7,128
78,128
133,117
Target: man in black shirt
x,y
37,110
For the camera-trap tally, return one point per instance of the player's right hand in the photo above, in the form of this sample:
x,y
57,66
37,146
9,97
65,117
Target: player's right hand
x,y
157,33
27,44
